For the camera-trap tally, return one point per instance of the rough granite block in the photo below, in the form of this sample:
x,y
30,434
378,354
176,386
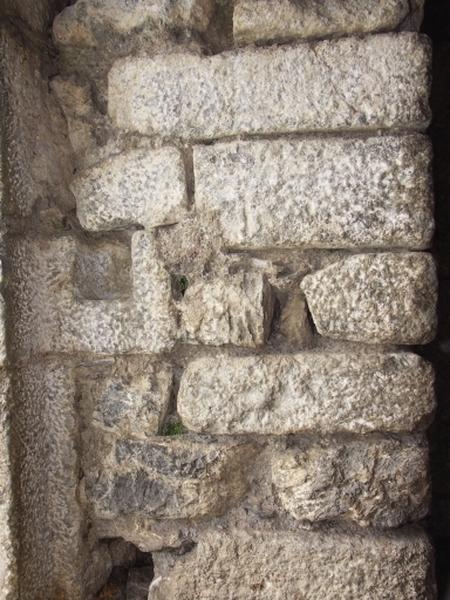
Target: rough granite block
x,y
376,82
375,298
310,391
322,192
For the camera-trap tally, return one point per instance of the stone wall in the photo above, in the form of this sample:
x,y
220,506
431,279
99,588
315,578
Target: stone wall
x,y
218,218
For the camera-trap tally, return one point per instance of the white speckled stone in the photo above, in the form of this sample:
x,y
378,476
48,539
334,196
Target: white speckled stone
x,y
7,558
376,82
139,187
281,565
329,392
263,20
375,298
231,310
167,477
373,482
334,192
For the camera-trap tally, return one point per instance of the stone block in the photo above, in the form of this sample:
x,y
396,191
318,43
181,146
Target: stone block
x,y
166,478
337,192
297,565
139,187
379,482
375,298
236,309
265,20
379,81
309,391
86,22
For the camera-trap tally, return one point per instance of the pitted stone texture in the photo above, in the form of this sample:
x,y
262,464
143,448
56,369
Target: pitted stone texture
x,y
84,23
2,322
236,309
307,565
170,478
139,187
311,391
376,82
129,398
7,558
328,193
264,20
381,483
375,298
51,319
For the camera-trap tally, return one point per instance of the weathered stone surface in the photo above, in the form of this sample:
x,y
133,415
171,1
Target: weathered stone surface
x,y
7,558
294,321
234,310
311,391
74,97
140,187
129,398
83,23
171,478
381,483
263,20
376,82
50,318
280,565
386,298
339,192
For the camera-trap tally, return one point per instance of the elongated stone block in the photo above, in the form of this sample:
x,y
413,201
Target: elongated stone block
x,y
140,187
337,192
373,482
329,392
384,298
376,82
263,20
166,478
307,566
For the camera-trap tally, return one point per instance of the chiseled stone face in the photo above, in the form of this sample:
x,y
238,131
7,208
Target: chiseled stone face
x,y
375,82
375,298
305,565
231,310
139,187
309,391
262,20
380,483
330,193
171,478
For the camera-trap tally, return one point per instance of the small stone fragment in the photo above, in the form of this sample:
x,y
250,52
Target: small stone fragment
x,y
139,187
232,310
379,81
309,391
294,322
379,483
264,20
264,565
375,298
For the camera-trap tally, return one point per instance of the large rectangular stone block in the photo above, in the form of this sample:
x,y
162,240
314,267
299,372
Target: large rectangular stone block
x,y
282,565
375,82
311,391
263,20
335,192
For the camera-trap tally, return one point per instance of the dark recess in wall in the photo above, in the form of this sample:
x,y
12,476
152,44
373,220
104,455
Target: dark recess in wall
x,y
437,26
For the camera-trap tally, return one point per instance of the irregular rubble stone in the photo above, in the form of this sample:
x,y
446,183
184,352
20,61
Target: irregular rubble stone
x,y
74,97
234,310
139,187
294,322
166,478
378,81
128,399
50,319
138,583
83,23
311,391
382,483
7,558
339,192
307,565
388,297
263,20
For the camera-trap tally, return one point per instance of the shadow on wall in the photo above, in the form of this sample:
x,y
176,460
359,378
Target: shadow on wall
x,y
437,26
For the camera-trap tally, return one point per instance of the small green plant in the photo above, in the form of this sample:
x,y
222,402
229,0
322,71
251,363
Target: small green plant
x,y
183,284
173,429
